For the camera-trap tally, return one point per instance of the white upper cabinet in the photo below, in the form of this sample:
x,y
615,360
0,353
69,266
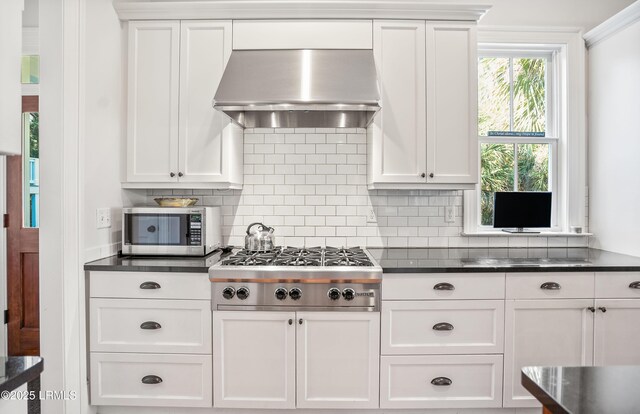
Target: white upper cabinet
x,y
301,34
152,124
425,134
175,137
396,138
452,103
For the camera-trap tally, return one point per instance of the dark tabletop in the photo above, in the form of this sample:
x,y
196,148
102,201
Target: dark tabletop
x,y
585,390
441,260
155,263
16,371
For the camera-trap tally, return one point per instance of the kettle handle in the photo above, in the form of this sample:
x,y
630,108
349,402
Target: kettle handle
x,y
253,224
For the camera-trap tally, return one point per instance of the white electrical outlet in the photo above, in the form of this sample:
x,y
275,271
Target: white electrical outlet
x,y
450,214
103,218
371,216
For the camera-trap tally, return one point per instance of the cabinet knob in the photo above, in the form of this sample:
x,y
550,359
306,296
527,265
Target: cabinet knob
x,y
290,321
423,175
300,321
180,174
172,174
441,381
430,175
602,309
150,325
592,309
634,285
443,326
550,286
149,285
151,379
444,286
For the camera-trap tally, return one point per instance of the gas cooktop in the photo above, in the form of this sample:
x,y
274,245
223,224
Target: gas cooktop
x,y
315,278
292,256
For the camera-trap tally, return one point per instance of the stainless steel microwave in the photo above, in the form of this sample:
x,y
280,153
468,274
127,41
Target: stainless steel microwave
x,y
171,231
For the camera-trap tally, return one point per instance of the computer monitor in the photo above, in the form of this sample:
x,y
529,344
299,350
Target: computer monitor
x,y
516,211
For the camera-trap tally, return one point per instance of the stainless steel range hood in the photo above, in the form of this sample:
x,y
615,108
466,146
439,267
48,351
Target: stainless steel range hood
x,y
299,88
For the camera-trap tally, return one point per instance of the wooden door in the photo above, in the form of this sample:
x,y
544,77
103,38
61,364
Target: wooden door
x,y
22,259
152,114
452,114
398,134
254,359
617,332
546,332
338,356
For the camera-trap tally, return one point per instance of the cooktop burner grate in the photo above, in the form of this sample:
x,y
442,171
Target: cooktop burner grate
x,y
292,256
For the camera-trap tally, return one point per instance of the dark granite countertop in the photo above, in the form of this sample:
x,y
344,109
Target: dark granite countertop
x,y
585,390
18,370
442,260
155,263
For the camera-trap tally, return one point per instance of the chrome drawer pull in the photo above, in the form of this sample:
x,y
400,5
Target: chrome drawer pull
x,y
151,379
550,286
441,381
443,326
149,285
634,285
150,325
444,286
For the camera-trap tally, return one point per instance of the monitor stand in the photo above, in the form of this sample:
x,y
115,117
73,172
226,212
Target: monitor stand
x,y
520,230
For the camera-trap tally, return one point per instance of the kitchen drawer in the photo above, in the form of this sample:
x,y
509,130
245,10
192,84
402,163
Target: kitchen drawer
x,y
172,326
569,285
116,379
420,327
157,285
618,285
408,381
415,286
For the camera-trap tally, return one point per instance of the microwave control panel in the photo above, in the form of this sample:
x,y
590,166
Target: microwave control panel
x,y
195,229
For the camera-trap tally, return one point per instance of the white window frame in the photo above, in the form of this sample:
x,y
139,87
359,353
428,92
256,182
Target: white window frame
x,y
565,122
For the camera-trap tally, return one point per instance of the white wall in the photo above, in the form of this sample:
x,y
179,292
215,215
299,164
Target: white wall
x,y
614,142
103,126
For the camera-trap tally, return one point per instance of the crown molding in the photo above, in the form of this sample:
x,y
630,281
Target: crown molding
x,y
613,25
299,9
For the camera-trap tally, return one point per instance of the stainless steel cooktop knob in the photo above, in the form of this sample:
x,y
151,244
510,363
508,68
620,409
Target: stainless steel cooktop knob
x,y
242,293
280,293
228,292
295,293
334,293
348,294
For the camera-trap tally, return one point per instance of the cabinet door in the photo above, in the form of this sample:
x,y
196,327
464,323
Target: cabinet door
x,y
152,118
617,332
254,359
397,137
205,47
338,359
544,332
452,100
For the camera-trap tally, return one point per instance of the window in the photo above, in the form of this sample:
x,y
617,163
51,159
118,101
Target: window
x,y
517,125
532,131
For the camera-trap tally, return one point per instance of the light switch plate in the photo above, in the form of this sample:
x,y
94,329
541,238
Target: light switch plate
x,y
449,214
103,218
371,216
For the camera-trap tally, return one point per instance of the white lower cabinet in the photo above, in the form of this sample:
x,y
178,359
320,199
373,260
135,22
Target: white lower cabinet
x,y
617,332
544,332
442,327
337,359
158,380
427,381
257,362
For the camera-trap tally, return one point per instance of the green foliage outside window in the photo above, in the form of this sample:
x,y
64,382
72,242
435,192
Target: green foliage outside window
x,y
512,97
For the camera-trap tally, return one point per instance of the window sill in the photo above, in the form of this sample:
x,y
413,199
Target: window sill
x,y
541,234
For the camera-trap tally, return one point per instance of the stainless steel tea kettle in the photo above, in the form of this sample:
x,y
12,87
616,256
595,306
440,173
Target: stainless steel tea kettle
x,y
259,238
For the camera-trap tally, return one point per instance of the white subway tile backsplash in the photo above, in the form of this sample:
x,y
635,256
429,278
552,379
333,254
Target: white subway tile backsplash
x,y
310,184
